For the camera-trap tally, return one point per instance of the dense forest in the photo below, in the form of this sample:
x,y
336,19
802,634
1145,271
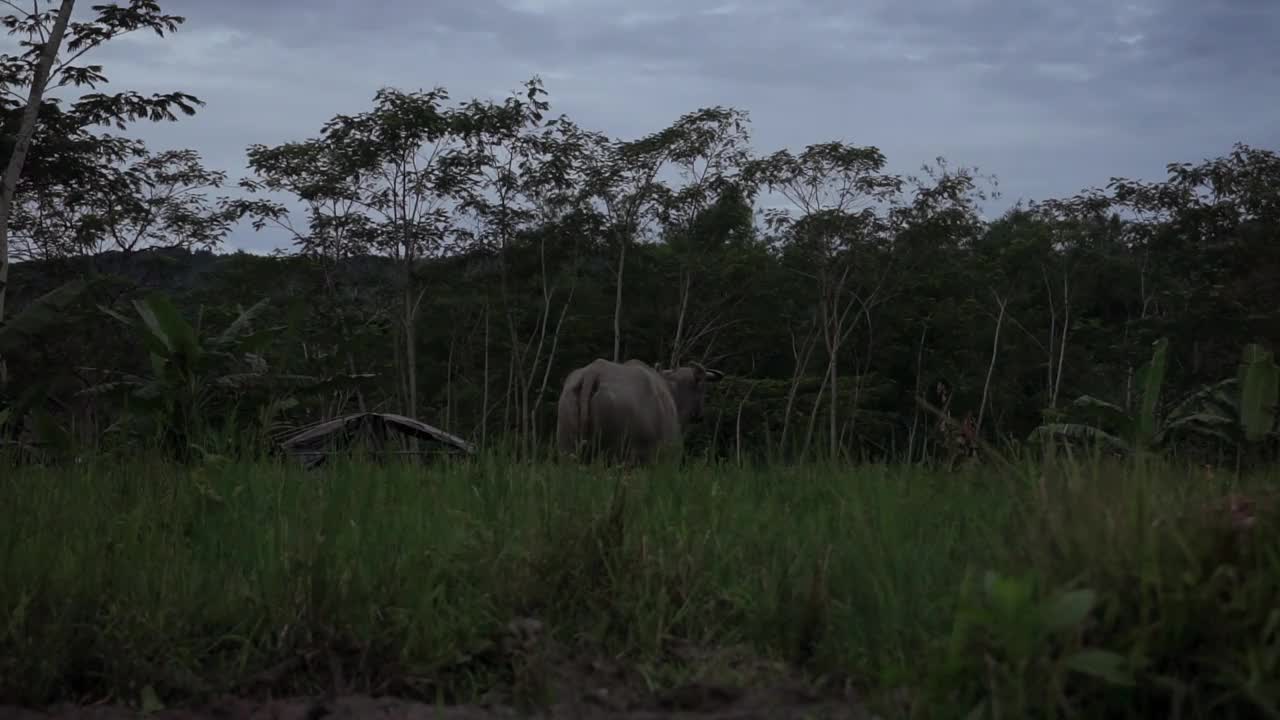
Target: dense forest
x,y
453,260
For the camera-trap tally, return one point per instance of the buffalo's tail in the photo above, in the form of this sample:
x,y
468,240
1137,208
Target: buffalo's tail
x,y
586,391
567,429
573,425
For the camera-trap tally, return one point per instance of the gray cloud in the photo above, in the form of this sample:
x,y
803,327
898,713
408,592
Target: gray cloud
x,y
1052,97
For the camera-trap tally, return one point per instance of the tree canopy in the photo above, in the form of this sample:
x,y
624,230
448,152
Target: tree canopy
x,y
453,260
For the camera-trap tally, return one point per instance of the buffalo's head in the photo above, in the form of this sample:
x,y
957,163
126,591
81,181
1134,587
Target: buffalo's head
x,y
689,389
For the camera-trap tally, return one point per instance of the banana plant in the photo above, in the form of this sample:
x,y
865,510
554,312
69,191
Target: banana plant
x,y
13,416
1147,427
1255,406
188,371
1241,411
23,330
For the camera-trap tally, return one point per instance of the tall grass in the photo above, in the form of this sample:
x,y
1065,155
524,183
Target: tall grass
x,y
240,576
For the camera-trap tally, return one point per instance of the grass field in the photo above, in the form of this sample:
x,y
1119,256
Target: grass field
x,y
1088,590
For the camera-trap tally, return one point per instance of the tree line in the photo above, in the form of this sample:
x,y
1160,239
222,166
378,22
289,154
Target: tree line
x,y
453,260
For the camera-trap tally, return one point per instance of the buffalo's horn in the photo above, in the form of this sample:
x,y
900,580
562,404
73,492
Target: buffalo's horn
x,y
712,375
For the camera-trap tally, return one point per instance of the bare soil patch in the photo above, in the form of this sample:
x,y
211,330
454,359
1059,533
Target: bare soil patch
x,y
691,701
590,700
545,681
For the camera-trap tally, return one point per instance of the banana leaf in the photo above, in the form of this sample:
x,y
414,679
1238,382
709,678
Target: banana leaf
x,y
1107,414
1150,382
1259,380
1080,432
39,316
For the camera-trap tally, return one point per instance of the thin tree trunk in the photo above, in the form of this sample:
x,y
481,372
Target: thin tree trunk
x,y
813,417
915,416
555,342
1146,309
411,352
397,358
344,330
410,358
9,185
515,394
1128,373
511,383
529,419
995,347
836,332
617,303
484,395
680,319
831,334
802,364
862,371
1062,344
351,367
833,411
1053,336
448,384
737,429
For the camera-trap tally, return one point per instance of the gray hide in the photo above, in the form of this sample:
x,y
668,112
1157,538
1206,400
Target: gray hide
x,y
630,411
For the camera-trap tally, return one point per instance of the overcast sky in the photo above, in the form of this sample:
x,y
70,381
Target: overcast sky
x,y
1049,96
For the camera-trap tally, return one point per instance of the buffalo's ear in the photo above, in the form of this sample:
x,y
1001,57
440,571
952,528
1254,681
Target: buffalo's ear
x,y
714,375
700,373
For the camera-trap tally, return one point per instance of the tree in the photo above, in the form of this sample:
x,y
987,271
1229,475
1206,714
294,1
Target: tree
x,y
39,71
336,229
165,206
45,51
396,175
157,201
934,236
833,229
1206,240
623,180
520,184
539,211
709,149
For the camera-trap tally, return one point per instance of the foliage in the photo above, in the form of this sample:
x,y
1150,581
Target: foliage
x,y
39,316
28,327
188,371
1102,589
1259,391
1032,644
1150,425
1241,411
1246,418
92,108
74,188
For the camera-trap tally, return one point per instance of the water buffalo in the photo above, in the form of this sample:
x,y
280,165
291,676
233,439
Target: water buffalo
x,y
631,411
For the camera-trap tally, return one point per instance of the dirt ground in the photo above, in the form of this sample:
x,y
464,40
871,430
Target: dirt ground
x,y
735,685
689,702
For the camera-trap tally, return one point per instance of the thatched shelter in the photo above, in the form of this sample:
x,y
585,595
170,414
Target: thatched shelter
x,y
315,443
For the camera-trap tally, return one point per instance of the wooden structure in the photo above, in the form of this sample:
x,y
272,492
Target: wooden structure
x,y
315,443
